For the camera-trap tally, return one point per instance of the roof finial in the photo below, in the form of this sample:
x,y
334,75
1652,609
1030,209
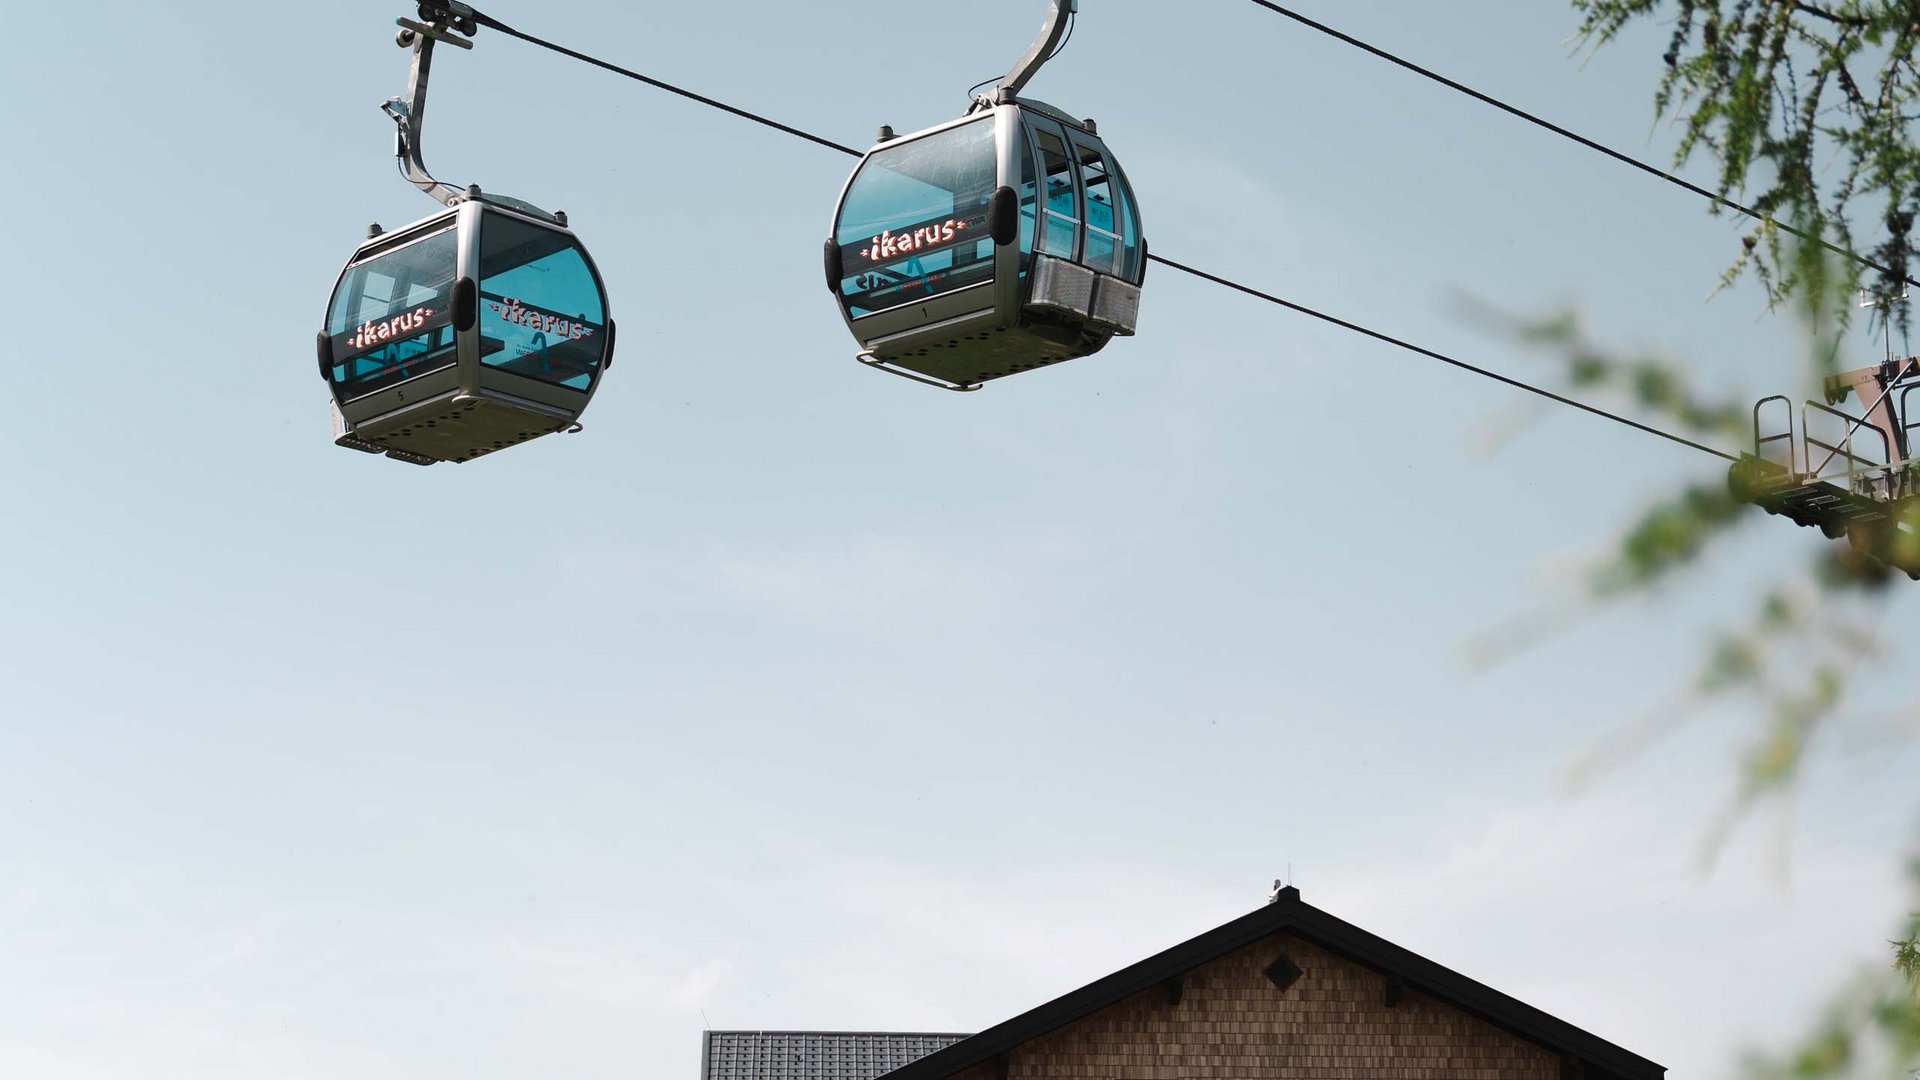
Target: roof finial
x,y
1283,890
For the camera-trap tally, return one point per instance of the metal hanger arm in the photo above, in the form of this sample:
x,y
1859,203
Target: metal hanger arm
x,y
409,113
1037,54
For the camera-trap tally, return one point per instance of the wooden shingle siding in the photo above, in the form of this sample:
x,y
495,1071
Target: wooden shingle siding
x,y
1232,1023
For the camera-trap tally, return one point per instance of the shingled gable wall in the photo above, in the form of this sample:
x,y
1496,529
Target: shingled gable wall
x,y
1231,1023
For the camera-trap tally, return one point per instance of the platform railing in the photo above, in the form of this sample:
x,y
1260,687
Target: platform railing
x,y
1907,427
1857,469
1762,442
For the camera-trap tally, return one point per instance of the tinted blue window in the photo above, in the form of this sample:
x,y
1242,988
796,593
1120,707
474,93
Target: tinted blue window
x,y
914,222
391,318
1102,251
1061,201
541,309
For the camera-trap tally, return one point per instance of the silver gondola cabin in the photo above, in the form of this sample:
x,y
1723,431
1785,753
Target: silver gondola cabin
x,y
475,329
993,244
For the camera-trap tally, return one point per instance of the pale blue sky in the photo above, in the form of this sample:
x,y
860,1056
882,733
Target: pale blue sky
x,y
804,696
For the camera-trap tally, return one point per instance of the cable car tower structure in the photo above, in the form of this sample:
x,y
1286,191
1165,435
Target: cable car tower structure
x,y
1847,473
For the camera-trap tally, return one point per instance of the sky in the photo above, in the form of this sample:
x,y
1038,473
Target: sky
x,y
788,695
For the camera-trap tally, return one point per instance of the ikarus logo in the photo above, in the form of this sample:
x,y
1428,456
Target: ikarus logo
x,y
382,330
514,312
890,246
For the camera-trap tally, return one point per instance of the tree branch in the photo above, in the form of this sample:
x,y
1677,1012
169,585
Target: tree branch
x,y
1822,13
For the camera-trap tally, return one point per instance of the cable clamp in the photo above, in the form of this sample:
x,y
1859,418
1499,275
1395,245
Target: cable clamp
x,y
409,29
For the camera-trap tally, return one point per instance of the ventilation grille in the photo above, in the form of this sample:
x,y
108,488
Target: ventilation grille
x,y
1116,305
411,458
1283,972
354,442
1062,286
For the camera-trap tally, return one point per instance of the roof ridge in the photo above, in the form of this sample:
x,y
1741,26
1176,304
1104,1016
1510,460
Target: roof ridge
x,y
1288,913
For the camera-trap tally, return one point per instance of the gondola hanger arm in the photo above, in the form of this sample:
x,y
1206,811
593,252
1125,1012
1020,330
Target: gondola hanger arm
x,y
1038,53
444,20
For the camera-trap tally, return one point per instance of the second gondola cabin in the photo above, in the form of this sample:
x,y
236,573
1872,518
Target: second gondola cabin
x,y
475,329
1000,242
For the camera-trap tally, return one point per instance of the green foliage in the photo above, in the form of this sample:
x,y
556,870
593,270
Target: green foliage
x,y
1870,1018
1808,111
1870,1028
1794,657
1775,90
1906,951
1765,86
1668,536
1823,616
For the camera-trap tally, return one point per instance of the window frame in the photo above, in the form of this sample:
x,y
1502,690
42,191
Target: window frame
x,y
1136,252
1084,144
1045,125
990,262
571,243
348,388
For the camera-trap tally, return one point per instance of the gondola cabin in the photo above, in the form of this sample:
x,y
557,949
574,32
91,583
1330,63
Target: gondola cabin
x,y
993,244
476,329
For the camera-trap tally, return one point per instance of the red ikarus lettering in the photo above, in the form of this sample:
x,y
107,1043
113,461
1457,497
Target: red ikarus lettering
x,y
888,246
380,331
514,312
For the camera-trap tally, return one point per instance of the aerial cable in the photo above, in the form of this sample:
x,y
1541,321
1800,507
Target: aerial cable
x,y
422,365
1624,159
1442,357
489,21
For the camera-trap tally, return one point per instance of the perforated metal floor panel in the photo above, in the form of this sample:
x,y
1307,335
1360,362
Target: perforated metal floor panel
x,y
458,428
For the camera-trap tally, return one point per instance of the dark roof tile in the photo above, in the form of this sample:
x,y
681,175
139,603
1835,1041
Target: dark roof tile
x,y
814,1055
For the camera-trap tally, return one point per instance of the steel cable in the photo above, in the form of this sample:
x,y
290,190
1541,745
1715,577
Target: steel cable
x,y
1624,159
489,21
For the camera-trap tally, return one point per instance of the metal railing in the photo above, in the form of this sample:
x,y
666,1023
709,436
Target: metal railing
x,y
1760,442
1856,468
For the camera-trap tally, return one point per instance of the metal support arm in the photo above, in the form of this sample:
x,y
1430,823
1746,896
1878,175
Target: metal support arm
x,y
446,20
1038,53
1879,411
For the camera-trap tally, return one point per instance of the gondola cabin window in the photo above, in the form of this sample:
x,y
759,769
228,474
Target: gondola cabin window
x,y
541,314
1062,202
1103,218
391,317
914,221
1029,192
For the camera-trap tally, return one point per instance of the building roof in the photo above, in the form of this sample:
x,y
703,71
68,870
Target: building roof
x,y
1597,1058
814,1055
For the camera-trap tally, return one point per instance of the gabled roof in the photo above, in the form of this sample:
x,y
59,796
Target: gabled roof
x,y
1597,1058
814,1055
